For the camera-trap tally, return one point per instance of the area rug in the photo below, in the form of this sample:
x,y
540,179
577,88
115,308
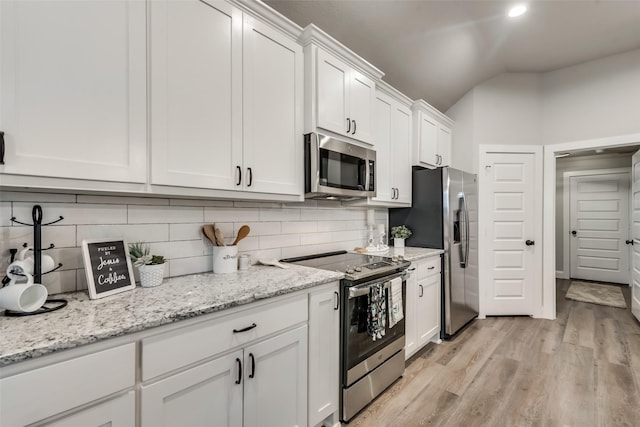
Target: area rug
x,y
596,293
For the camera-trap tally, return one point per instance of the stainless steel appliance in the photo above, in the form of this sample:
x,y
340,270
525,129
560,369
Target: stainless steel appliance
x,y
444,215
368,366
336,169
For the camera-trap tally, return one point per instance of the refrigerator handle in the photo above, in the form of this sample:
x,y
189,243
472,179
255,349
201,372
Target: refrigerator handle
x,y
464,232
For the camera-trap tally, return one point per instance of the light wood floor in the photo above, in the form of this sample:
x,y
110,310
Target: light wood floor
x,y
582,369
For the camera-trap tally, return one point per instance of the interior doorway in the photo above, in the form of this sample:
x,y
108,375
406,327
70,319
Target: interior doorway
x,y
551,224
592,228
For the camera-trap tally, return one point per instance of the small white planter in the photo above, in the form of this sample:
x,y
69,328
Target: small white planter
x,y
151,275
398,243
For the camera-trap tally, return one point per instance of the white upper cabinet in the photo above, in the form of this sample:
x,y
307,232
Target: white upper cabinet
x,y
196,109
345,98
340,88
226,100
431,136
73,89
392,141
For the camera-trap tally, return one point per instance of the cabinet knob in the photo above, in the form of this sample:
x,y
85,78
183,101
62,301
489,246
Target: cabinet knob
x,y
530,243
574,232
629,242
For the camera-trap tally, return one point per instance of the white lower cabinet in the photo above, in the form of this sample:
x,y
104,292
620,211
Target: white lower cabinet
x,y
261,385
73,389
209,394
423,305
248,368
116,412
324,357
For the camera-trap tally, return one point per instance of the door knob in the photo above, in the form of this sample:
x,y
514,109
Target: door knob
x,y
629,242
574,232
529,243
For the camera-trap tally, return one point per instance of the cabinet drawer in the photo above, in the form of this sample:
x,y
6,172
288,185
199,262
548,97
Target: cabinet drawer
x,y
40,393
181,347
428,266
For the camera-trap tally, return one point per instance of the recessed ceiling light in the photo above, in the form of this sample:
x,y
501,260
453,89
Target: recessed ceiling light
x,y
517,10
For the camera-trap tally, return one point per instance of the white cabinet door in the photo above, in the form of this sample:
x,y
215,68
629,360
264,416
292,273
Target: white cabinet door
x,y
272,105
275,381
324,342
117,412
427,133
401,154
362,96
207,395
444,145
345,98
332,91
410,341
382,140
73,89
196,93
428,309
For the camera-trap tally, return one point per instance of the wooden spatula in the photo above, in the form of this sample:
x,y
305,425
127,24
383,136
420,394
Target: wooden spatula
x,y
242,233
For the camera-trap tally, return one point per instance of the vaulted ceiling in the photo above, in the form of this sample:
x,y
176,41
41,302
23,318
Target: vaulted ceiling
x,y
439,50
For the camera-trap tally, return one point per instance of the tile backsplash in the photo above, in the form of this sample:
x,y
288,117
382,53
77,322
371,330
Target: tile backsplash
x,y
172,228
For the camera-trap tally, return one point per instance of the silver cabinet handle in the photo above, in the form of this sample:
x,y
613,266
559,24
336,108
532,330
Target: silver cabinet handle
x,y
348,125
421,291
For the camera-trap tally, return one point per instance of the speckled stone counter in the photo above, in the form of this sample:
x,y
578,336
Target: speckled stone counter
x,y
85,321
410,254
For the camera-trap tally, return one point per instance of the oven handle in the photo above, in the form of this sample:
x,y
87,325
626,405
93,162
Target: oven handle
x,y
363,289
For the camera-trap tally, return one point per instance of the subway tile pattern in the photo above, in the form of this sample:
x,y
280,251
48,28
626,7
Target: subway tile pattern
x,y
172,227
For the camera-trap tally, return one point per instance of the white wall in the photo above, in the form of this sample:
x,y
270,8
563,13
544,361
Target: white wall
x,y
596,99
600,98
172,227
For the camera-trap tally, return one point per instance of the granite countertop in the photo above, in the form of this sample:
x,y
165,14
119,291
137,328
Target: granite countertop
x,y
84,321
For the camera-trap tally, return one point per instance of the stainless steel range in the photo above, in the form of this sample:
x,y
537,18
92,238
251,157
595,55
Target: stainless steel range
x,y
371,350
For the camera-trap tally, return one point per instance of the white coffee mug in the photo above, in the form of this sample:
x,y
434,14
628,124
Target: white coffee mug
x,y
19,268
47,263
23,297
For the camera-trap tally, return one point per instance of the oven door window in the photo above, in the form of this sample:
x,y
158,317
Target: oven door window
x,y
359,345
342,170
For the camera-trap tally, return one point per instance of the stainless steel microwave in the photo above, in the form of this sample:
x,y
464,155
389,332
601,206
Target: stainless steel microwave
x,y
336,169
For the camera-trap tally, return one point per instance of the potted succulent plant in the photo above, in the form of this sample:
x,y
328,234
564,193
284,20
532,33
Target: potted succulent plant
x,y
399,233
151,267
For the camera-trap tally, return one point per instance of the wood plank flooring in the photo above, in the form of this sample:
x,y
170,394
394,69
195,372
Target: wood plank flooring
x,y
582,369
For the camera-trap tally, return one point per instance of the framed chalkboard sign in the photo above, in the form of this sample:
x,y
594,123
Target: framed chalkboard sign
x,y
108,267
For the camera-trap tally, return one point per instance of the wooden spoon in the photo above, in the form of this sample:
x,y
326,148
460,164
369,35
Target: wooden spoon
x,y
242,233
219,236
210,234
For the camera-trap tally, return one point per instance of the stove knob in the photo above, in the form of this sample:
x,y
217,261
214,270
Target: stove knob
x,y
357,269
349,270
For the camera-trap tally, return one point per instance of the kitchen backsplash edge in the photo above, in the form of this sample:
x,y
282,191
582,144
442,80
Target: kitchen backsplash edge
x,y
172,227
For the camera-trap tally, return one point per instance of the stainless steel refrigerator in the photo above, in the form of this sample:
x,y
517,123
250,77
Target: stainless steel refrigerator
x,y
444,215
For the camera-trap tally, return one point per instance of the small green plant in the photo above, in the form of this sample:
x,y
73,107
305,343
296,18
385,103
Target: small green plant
x,y
400,232
139,253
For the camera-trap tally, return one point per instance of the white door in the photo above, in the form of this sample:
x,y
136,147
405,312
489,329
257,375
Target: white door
x,y
635,257
275,381
444,145
599,218
196,93
272,106
73,89
382,140
401,153
511,205
332,93
362,95
209,394
324,354
428,128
